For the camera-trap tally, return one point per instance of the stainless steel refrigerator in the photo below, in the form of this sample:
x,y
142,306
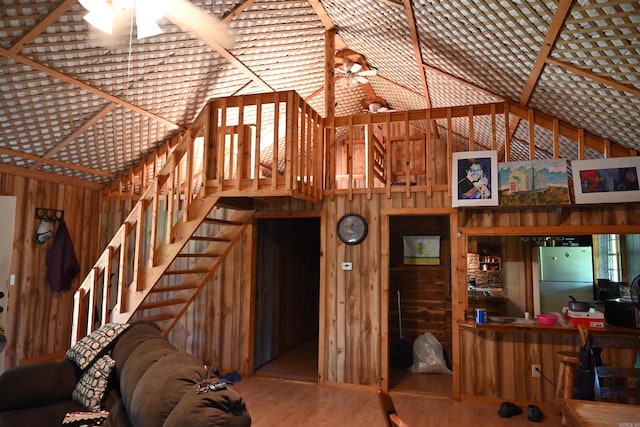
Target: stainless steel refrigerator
x,y
562,271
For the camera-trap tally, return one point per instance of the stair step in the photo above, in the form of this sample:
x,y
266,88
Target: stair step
x,y
187,271
158,304
218,221
203,255
210,239
176,288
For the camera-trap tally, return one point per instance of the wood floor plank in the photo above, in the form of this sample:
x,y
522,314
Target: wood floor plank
x,y
273,402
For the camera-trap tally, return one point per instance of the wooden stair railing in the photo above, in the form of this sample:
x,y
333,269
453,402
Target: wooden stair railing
x,y
165,220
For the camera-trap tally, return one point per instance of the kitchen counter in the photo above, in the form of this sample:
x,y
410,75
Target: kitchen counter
x,y
534,326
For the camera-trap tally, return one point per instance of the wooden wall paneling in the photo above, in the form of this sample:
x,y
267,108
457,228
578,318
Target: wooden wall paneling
x,y
39,320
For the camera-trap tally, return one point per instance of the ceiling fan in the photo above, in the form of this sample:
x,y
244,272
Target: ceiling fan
x,y
113,16
355,73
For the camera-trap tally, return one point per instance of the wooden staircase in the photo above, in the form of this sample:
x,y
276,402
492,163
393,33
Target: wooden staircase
x,y
171,242
187,218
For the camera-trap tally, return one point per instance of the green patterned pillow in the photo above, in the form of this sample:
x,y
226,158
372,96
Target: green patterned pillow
x,y
94,345
93,384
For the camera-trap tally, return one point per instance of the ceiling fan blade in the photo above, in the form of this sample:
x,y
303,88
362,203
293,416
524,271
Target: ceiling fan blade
x,y
340,70
360,79
355,67
368,73
205,26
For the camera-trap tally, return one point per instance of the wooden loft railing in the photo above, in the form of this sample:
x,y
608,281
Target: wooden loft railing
x,y
173,239
411,151
276,145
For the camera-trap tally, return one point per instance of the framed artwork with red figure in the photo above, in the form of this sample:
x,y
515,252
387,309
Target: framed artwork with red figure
x,y
612,180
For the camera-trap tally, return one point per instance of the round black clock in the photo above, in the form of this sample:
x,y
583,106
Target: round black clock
x,y
352,229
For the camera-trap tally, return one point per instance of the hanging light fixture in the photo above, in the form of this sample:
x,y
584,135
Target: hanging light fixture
x,y
102,14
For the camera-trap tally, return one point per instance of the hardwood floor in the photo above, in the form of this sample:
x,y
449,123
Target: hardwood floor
x,y
274,402
285,392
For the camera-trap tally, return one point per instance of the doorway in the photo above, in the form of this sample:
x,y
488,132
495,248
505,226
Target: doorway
x,y
287,298
419,304
7,213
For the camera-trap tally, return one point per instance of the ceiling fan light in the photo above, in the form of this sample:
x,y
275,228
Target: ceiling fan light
x,y
102,20
92,5
147,27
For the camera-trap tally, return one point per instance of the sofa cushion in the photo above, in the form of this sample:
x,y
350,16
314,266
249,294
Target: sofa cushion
x,y
94,345
38,384
139,333
214,408
171,377
53,413
93,384
136,366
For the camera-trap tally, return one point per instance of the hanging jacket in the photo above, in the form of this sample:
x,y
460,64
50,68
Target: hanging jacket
x,y
62,264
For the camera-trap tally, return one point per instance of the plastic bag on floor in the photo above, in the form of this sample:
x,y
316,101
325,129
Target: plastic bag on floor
x,y
428,356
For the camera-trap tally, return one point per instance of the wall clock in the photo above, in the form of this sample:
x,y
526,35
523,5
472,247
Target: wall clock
x,y
352,229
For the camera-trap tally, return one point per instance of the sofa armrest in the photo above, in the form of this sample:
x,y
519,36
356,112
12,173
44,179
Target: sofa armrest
x,y
38,384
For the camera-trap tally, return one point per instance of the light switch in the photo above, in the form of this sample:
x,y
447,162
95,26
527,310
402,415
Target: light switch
x,y
346,266
12,280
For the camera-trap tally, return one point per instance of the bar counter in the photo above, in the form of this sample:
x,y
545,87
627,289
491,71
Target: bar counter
x,y
534,326
497,359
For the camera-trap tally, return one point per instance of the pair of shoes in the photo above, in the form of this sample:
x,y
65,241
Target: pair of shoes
x,y
509,409
534,414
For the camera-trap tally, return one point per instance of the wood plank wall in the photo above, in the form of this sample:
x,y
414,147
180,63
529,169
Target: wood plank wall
x,y
38,319
218,326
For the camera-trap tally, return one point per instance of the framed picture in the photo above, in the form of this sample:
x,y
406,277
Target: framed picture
x,y
611,180
474,178
533,183
421,250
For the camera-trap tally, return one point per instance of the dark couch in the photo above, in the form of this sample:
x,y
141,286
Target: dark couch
x,y
152,384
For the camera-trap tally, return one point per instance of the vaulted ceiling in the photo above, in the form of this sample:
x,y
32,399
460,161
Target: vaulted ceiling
x,y
86,108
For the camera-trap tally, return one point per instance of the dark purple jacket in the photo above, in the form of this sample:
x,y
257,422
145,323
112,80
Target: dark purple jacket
x,y
62,264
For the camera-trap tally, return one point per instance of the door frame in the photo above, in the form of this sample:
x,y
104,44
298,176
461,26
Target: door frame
x,y
455,241
322,285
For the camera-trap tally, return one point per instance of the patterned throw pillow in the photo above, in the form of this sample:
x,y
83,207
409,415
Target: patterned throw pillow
x,y
92,385
89,348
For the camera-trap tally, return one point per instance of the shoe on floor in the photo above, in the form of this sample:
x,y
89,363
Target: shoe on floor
x,y
509,409
534,413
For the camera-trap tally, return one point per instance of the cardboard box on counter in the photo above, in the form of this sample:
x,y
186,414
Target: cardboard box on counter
x,y
590,320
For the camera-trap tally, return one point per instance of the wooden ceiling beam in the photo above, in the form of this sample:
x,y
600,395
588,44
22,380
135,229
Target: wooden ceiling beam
x,y
42,25
415,41
84,86
595,77
86,125
39,160
51,177
557,22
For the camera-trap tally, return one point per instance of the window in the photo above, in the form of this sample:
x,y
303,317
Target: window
x,y
608,257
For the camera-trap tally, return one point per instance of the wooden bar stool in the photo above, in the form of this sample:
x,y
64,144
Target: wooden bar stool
x,y
569,361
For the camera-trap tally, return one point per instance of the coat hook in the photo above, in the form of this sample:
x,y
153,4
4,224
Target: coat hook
x,y
49,214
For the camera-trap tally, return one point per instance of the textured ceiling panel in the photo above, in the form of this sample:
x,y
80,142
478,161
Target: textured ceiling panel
x,y
282,42
604,38
446,92
587,104
491,44
92,106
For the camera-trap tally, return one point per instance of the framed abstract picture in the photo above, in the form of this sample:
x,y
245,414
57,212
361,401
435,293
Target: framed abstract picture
x,y
611,180
474,178
421,250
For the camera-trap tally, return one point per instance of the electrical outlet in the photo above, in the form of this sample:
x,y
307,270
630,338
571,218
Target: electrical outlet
x,y
535,371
